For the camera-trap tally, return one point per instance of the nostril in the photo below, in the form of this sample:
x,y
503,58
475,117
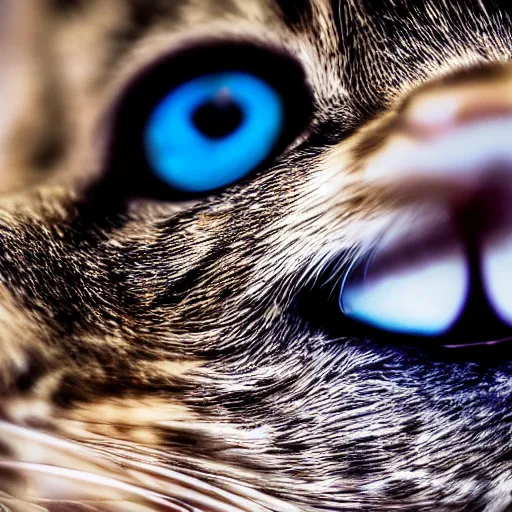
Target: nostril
x,y
435,283
412,284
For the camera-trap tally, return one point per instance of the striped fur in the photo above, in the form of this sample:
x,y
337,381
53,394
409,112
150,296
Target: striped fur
x,y
161,356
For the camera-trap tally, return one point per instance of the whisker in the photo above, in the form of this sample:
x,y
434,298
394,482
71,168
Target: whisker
x,y
70,470
99,482
243,496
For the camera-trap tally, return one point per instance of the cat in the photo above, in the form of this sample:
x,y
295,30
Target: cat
x,y
170,342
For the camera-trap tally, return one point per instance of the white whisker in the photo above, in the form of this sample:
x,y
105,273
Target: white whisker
x,y
58,470
115,489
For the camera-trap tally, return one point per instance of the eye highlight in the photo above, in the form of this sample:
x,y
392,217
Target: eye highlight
x,y
213,130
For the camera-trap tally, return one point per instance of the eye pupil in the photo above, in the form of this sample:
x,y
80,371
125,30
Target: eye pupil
x,y
219,117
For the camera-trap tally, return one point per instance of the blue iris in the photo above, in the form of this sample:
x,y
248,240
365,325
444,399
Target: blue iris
x,y
213,130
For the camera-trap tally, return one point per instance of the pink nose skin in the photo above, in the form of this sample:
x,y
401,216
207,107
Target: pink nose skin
x,y
433,113
471,132
453,143
452,152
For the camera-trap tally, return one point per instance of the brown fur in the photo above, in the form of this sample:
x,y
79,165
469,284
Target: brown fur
x,y
158,355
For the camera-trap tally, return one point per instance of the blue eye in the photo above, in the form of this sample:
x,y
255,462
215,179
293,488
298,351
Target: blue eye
x,y
213,130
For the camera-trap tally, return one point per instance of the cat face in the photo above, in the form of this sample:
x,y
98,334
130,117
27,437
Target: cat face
x,y
165,347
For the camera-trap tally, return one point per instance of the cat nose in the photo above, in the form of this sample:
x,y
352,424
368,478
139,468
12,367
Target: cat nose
x,y
453,141
437,112
443,271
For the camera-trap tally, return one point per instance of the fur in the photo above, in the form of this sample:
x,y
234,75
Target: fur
x,y
185,354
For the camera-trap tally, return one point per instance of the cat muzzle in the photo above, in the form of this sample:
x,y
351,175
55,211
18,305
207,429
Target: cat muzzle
x,y
443,270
